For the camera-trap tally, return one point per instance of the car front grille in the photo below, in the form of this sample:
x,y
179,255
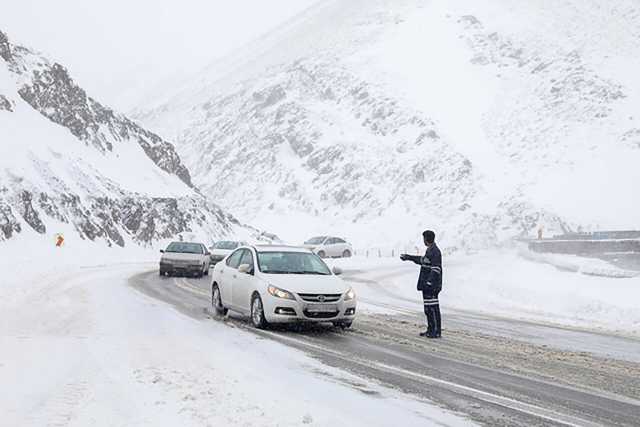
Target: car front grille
x,y
182,262
314,315
321,298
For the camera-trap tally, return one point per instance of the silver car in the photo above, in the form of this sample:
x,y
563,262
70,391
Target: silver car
x,y
222,248
185,258
329,247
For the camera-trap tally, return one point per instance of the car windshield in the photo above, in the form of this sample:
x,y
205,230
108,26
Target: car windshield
x,y
291,263
315,240
184,248
228,245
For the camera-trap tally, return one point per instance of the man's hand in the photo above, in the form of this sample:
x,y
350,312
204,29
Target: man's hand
x,y
404,257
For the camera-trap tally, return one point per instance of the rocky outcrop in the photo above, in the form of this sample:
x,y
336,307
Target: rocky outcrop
x,y
49,89
5,104
55,184
324,141
5,48
112,220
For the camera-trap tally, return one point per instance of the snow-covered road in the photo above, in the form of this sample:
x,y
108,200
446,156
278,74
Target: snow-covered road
x,y
114,344
80,347
492,377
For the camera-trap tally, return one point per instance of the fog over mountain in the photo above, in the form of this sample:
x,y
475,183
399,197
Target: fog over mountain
x,y
376,118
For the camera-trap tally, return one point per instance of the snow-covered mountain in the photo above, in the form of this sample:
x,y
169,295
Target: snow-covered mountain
x,y
69,163
375,118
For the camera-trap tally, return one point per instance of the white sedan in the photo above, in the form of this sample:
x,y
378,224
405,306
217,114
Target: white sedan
x,y
279,284
329,247
221,249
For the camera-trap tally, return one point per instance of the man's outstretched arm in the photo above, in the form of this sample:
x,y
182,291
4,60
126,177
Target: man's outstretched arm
x,y
420,260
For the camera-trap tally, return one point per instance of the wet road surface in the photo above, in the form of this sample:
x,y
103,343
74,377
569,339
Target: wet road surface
x,y
497,372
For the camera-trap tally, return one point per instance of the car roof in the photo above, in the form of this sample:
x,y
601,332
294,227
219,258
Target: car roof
x,y
191,243
280,248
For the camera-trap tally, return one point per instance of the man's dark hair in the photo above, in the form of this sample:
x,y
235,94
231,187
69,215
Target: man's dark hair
x,y
429,236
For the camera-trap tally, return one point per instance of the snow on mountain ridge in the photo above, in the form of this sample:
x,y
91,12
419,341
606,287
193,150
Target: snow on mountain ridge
x,y
50,89
476,118
69,163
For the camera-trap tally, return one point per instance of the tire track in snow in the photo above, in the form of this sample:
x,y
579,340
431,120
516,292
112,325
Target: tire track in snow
x,y
493,397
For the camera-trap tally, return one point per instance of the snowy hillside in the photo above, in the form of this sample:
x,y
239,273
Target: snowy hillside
x,y
377,118
71,164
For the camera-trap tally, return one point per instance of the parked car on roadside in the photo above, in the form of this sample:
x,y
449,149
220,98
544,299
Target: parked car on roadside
x,y
329,247
221,249
185,258
281,284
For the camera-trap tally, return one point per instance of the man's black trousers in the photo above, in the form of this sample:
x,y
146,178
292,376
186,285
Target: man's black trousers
x,y
432,311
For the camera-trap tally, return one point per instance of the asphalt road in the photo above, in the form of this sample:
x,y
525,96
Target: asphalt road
x,y
497,372
562,337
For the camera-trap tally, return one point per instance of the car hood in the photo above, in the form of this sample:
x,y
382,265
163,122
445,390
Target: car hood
x,y
176,256
308,283
221,252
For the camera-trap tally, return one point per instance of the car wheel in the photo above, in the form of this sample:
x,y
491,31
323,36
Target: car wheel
x,y
206,271
346,254
169,273
257,313
161,273
322,254
216,302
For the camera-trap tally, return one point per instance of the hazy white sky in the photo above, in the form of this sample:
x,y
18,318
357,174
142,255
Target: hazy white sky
x,y
118,49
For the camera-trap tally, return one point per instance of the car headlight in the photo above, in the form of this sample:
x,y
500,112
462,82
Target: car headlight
x,y
349,295
280,293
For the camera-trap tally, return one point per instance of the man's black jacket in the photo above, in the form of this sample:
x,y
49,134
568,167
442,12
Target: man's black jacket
x,y
430,269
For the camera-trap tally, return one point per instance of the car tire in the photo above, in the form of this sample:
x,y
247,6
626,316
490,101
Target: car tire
x,y
216,302
206,271
257,313
161,273
346,254
322,254
169,273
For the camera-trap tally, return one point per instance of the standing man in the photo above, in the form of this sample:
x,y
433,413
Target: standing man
x,y
430,283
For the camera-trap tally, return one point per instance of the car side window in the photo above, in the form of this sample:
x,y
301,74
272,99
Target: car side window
x,y
339,240
247,258
331,241
234,260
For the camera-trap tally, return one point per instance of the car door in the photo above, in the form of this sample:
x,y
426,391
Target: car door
x,y
227,276
341,246
243,283
330,244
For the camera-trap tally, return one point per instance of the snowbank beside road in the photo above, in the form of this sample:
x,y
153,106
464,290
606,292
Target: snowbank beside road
x,y
576,264
505,283
80,347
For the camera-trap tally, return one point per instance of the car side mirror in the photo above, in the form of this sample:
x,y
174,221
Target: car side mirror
x,y
337,271
161,251
245,269
207,253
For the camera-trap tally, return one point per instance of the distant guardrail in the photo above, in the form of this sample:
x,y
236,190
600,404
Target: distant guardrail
x,y
600,235
585,247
